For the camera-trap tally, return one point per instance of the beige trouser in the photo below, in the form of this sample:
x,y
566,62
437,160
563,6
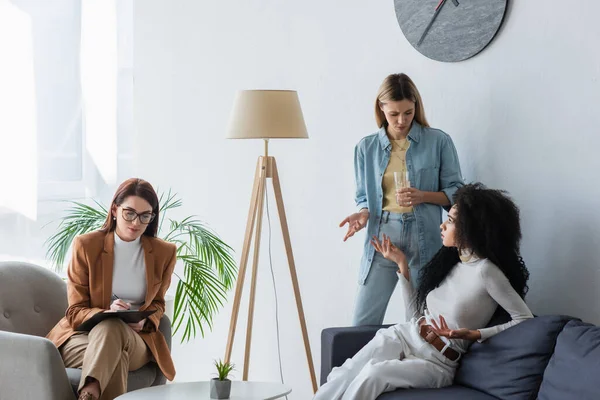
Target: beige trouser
x,y
107,353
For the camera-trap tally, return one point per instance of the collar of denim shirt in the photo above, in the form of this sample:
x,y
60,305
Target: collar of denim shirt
x,y
414,134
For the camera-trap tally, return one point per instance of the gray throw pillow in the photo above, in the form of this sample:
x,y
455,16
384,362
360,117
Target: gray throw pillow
x,y
574,370
510,365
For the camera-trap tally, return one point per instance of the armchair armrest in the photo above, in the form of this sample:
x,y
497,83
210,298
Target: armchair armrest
x,y
31,368
339,344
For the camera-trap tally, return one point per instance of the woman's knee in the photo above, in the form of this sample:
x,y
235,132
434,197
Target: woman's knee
x,y
375,370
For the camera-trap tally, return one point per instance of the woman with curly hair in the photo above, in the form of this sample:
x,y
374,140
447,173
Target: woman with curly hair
x,y
478,269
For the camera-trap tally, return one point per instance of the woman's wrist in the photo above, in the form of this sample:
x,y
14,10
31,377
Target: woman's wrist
x,y
475,334
403,268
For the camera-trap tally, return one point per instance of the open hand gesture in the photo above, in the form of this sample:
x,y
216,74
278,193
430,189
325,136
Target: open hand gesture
x,y
442,329
355,222
388,250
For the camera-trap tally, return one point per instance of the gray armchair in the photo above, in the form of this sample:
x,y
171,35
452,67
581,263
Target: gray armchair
x,y
32,301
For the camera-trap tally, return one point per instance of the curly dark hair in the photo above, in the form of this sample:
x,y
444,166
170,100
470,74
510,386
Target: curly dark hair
x,y
488,224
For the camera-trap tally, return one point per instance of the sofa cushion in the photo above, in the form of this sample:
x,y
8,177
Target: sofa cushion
x,y
510,365
574,370
447,393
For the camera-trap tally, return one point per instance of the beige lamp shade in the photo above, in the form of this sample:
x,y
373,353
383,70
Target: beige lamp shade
x,y
267,114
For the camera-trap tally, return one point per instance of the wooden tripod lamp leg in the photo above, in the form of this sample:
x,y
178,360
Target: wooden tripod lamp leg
x,y
239,287
292,265
266,166
261,198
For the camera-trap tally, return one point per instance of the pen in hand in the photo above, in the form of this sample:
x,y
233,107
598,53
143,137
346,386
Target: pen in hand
x,y
118,304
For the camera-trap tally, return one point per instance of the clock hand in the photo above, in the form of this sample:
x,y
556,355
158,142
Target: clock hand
x,y
435,14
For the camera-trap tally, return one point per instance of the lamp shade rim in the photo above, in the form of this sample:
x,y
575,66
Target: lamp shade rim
x,y
266,114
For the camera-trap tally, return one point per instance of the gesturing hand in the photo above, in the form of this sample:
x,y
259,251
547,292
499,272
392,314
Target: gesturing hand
x,y
388,250
355,222
442,329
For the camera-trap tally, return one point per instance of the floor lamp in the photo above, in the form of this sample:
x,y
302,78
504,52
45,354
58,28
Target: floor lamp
x,y
265,114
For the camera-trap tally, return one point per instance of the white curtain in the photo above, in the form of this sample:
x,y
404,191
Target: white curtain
x,y
18,141
99,84
66,113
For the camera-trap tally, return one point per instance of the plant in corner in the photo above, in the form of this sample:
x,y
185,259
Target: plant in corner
x,y
220,387
209,269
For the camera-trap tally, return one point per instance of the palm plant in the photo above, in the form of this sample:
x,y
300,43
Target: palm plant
x,y
223,369
209,269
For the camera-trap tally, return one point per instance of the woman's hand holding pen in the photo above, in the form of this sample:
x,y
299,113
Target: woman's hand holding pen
x,y
118,304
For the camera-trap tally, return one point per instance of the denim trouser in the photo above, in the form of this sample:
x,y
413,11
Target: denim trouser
x,y
373,297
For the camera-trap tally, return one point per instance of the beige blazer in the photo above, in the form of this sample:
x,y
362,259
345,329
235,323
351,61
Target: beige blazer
x,y
89,289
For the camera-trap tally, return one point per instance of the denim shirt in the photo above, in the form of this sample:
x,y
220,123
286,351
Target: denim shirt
x,y
433,166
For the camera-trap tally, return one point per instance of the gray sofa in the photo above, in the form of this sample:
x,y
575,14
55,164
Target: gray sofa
x,y
550,357
32,301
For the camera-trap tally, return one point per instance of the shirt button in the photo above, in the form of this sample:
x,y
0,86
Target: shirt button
x,y
7,314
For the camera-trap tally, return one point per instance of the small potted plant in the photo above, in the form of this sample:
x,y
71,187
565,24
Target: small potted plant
x,y
220,387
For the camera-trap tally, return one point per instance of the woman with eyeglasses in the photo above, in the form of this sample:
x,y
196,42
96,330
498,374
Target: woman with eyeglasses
x,y
122,266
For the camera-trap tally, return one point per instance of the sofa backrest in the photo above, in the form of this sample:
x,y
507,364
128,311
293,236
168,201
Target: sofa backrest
x,y
32,299
574,369
511,364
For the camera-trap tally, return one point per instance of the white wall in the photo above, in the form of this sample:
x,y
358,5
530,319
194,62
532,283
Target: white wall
x,y
523,115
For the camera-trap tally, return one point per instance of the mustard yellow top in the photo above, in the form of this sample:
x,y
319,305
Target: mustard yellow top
x,y
397,164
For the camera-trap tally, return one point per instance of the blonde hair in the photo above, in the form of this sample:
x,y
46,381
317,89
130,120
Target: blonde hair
x,y
398,87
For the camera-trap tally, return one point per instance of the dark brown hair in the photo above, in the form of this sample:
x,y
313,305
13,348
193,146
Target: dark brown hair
x,y
134,187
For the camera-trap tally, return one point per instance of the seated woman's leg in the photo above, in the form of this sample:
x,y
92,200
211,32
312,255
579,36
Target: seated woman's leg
x,y
386,345
113,350
384,376
72,353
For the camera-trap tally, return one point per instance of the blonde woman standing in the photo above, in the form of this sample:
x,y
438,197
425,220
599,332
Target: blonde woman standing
x,y
405,144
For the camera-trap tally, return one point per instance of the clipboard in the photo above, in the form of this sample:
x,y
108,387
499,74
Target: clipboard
x,y
128,316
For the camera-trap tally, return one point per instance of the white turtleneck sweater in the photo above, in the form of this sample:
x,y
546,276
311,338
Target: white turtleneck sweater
x,y
129,272
468,297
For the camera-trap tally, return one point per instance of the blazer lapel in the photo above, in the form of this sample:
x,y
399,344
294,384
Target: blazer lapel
x,y
107,268
149,260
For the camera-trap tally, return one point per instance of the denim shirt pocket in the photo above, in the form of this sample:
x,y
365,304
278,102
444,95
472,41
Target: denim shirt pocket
x,y
428,179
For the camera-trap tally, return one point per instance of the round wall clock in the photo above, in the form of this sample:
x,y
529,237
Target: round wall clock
x,y
450,30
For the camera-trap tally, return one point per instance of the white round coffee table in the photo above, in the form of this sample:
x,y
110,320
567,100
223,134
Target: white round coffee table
x,y
240,390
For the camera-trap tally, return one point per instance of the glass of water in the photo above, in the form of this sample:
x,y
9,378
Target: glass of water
x,y
401,180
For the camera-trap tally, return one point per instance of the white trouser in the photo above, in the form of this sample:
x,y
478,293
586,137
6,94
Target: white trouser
x,y
397,357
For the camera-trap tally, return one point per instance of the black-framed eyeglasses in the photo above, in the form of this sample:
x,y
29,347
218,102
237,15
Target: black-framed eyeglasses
x,y
130,216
